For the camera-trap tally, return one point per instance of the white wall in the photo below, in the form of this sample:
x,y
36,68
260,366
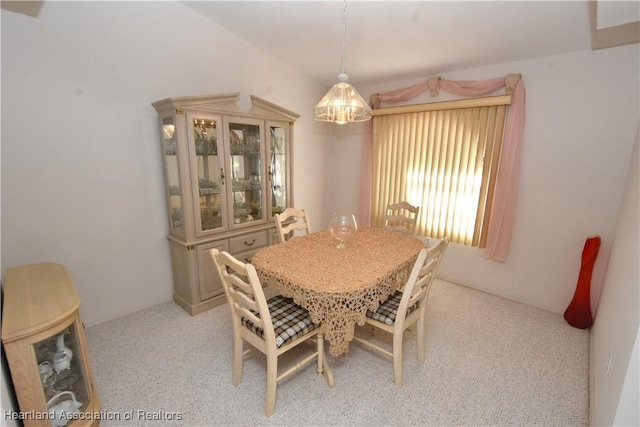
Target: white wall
x,y
628,412
7,398
82,173
81,168
581,113
614,334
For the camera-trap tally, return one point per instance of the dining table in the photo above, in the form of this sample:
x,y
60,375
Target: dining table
x,y
338,286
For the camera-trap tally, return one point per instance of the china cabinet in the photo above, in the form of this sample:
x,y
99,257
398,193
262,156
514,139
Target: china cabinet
x,y
226,174
45,346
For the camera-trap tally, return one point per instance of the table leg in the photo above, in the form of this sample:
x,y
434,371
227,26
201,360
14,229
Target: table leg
x,y
323,366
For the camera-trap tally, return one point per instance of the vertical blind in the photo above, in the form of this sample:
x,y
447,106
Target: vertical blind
x,y
442,157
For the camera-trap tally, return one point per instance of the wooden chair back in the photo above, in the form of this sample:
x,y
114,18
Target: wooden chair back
x,y
292,223
402,217
244,294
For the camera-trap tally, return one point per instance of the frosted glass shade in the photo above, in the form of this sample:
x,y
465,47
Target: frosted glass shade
x,y
342,104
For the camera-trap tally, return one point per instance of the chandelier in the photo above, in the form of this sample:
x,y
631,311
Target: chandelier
x,y
342,104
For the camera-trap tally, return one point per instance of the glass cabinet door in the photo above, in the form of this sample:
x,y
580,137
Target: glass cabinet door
x,y
62,370
205,134
246,153
172,175
278,167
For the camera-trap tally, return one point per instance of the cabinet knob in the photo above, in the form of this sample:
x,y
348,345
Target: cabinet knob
x,y
250,243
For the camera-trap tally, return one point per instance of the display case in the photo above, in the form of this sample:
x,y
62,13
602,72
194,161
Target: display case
x,y
46,351
227,173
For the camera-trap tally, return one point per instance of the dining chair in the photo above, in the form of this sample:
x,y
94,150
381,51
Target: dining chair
x,y
402,217
407,307
292,223
272,326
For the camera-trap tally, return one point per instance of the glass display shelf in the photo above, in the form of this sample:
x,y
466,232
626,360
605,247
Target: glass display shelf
x,y
61,367
278,172
208,167
246,171
172,174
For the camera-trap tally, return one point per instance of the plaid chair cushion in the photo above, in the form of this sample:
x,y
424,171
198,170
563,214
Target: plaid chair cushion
x,y
288,318
388,310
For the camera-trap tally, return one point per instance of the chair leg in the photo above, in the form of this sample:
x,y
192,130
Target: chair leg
x,y
237,360
397,358
421,339
320,350
272,375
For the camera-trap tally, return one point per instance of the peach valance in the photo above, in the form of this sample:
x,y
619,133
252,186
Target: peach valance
x,y
506,190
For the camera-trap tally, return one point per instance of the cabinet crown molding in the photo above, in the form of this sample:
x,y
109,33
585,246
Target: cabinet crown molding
x,y
227,103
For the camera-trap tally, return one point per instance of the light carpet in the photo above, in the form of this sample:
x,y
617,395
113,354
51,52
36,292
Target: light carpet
x,y
490,362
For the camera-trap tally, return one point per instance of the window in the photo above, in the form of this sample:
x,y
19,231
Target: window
x,y
443,157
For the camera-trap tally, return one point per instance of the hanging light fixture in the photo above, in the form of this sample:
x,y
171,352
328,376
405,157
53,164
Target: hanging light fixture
x,y
342,104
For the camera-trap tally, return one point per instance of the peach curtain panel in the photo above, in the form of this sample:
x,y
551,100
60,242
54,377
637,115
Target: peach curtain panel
x,y
500,227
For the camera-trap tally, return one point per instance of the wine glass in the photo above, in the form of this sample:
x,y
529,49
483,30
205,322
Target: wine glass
x,y
343,227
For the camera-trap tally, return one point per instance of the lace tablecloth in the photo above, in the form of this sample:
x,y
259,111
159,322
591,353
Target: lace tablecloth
x,y
338,286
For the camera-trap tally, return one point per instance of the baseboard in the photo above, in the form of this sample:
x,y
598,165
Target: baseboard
x,y
511,297
124,313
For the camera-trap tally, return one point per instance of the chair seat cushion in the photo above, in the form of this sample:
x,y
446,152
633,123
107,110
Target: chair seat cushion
x,y
290,321
388,310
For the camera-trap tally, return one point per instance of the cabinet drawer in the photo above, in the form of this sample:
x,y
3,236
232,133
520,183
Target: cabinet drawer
x,y
248,242
247,255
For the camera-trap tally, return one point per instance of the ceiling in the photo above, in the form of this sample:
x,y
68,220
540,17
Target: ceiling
x,y
391,40
394,40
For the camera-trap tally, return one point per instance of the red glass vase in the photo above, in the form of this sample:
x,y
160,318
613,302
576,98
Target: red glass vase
x,y
578,313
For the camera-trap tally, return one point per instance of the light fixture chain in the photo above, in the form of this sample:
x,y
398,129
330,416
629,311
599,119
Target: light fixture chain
x,y
344,35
